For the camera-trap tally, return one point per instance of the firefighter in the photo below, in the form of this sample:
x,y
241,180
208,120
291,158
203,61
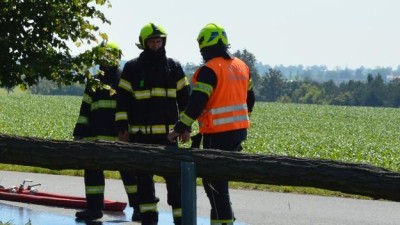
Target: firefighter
x,y
97,122
221,101
153,90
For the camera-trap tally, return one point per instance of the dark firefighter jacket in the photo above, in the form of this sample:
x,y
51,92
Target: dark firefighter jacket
x,y
97,113
153,90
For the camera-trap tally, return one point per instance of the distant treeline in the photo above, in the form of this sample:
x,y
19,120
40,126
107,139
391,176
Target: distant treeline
x,y
373,91
297,84
321,73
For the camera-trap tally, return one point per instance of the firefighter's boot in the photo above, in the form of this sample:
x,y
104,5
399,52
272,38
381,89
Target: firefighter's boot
x,y
95,205
89,214
136,214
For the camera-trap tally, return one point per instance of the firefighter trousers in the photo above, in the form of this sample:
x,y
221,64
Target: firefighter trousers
x,y
147,198
218,190
95,185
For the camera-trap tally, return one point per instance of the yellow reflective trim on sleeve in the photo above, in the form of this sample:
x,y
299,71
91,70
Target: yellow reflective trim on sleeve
x,y
182,83
83,120
121,116
185,119
86,98
126,85
91,190
106,104
203,87
130,189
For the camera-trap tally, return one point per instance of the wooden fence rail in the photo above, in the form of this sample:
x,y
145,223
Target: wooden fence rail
x,y
351,178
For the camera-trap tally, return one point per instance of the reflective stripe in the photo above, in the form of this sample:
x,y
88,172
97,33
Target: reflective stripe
x,y
162,92
142,94
228,109
230,119
171,92
152,207
177,212
86,98
151,129
83,120
90,190
222,222
107,104
203,87
182,83
130,189
156,92
126,85
121,116
185,119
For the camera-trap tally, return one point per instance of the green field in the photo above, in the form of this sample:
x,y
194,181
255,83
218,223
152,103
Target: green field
x,y
351,134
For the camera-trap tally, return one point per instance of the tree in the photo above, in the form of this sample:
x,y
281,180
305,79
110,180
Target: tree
x,y
34,39
250,60
375,91
272,85
394,93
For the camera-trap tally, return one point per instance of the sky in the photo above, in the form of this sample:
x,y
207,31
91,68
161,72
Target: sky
x,y
335,33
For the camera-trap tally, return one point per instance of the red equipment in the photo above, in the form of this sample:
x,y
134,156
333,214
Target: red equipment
x,y
32,195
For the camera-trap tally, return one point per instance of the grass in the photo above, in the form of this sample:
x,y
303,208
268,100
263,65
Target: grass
x,y
350,134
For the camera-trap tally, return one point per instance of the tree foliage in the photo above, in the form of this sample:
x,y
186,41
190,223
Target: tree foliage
x,y
250,59
373,92
272,85
34,39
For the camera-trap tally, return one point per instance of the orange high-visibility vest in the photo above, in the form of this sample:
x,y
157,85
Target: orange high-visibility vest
x,y
227,106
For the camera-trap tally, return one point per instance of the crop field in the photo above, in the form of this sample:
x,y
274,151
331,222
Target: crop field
x,y
350,134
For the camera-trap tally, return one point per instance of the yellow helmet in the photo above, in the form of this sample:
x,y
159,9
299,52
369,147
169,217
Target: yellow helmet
x,y
211,34
112,48
151,30
112,45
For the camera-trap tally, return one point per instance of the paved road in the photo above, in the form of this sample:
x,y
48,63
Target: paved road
x,y
251,207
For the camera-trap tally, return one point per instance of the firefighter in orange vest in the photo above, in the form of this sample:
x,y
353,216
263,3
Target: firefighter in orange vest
x,y
97,122
221,100
153,90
